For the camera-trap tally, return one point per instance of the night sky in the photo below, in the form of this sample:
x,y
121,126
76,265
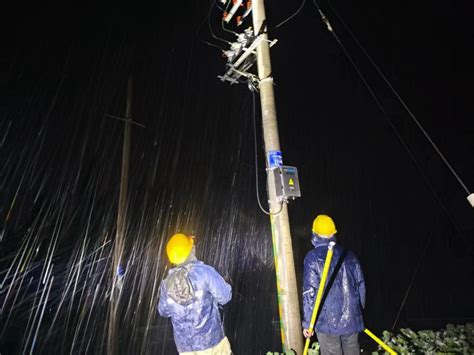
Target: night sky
x,y
395,203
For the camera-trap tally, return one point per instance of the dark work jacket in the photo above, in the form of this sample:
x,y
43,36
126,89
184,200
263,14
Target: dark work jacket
x,y
341,310
196,322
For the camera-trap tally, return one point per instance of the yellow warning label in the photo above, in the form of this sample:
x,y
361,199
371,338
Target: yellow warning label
x,y
291,182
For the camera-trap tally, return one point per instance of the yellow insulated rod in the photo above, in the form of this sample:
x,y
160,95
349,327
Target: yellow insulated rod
x,y
380,342
319,296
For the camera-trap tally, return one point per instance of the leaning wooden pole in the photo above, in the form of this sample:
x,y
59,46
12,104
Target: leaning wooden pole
x,y
121,225
290,320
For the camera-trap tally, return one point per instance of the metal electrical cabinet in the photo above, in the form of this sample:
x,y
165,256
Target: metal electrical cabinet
x,y
287,184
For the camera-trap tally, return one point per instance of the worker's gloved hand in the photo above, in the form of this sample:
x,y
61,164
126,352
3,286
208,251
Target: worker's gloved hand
x,y
120,271
307,333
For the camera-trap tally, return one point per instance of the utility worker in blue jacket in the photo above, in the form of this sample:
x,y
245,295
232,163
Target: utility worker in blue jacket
x,y
340,316
190,295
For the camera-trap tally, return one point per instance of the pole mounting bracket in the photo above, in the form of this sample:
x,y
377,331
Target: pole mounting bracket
x,y
241,57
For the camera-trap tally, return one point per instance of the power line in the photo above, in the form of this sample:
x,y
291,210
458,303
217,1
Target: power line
x,y
218,6
435,147
210,27
412,157
199,29
290,17
222,20
386,116
413,277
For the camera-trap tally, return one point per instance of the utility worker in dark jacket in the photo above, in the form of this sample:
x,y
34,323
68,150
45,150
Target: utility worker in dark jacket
x,y
191,295
339,318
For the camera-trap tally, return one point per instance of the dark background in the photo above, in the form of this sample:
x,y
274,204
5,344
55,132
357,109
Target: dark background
x,y
192,167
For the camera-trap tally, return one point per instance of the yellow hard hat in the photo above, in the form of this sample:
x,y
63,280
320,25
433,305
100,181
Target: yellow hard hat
x,y
324,225
178,248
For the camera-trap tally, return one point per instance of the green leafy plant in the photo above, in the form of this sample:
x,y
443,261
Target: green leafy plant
x,y
313,350
455,339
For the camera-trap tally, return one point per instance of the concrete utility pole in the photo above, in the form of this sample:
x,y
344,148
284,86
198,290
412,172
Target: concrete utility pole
x,y
121,219
122,207
290,322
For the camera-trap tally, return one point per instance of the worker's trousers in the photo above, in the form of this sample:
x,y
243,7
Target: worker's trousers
x,y
223,348
339,344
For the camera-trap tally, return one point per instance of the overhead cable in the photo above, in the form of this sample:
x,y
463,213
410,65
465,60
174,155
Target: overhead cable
x,y
210,27
222,20
218,6
413,277
386,116
199,29
290,17
377,68
252,89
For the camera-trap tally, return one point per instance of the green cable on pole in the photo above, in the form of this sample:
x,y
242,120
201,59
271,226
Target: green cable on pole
x,y
319,296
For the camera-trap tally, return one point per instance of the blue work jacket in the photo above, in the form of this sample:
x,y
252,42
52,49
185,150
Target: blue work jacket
x,y
340,312
196,322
